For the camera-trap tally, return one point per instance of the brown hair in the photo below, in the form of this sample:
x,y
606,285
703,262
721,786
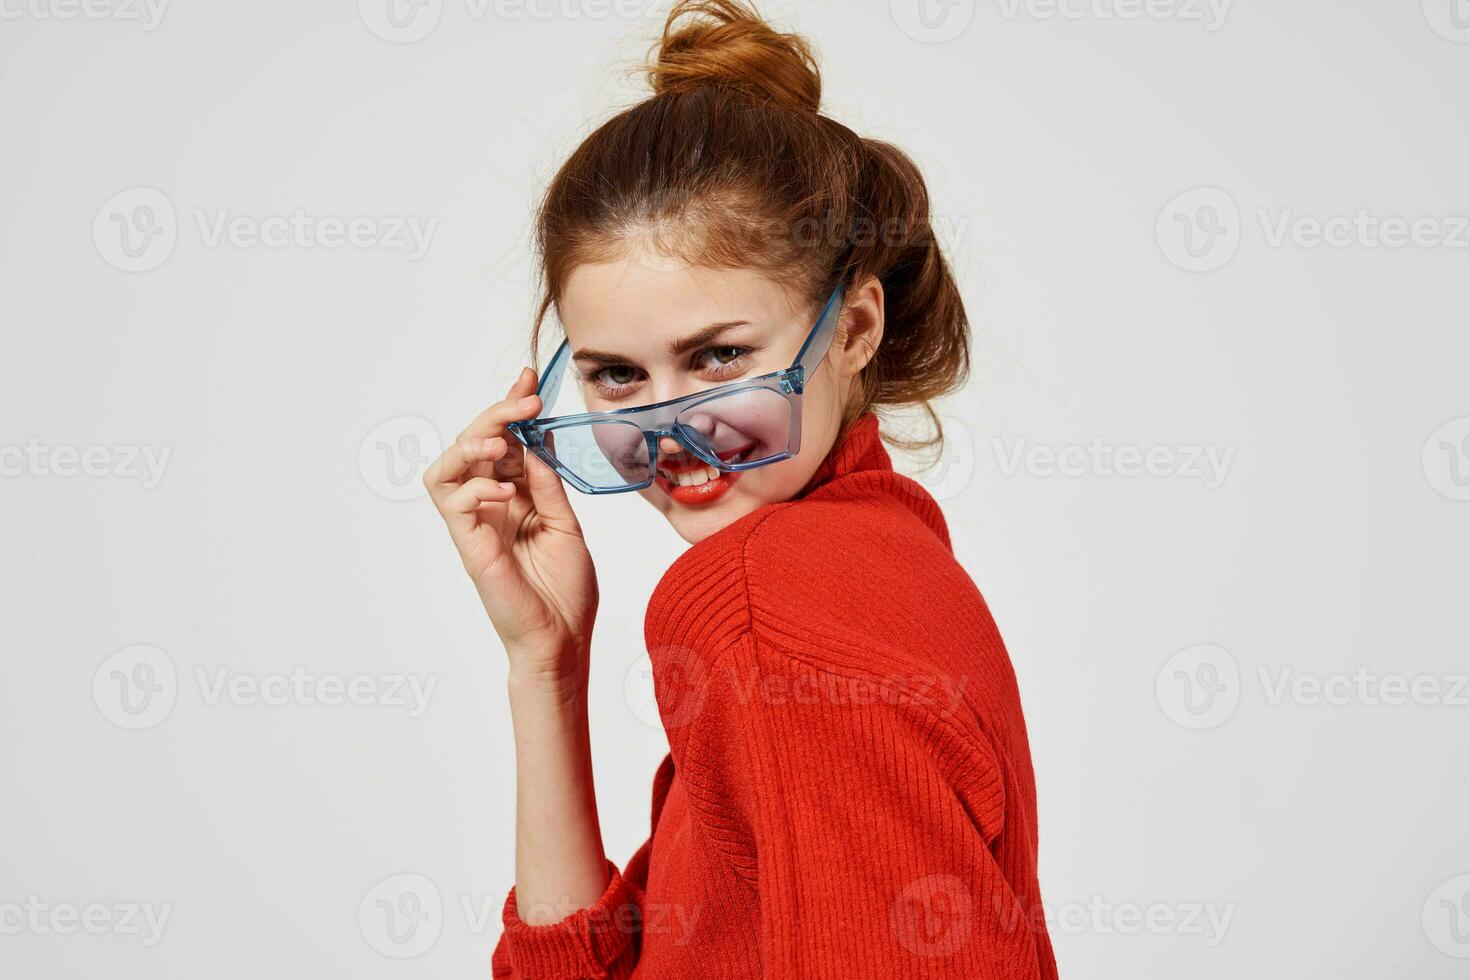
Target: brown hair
x,y
730,164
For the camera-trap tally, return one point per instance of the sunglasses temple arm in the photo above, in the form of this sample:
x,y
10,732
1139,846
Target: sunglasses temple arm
x,y
552,377
820,338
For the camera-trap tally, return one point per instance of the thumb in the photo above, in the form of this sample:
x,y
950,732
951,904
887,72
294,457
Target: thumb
x,y
549,493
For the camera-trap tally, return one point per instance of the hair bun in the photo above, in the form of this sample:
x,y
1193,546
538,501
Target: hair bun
x,y
726,43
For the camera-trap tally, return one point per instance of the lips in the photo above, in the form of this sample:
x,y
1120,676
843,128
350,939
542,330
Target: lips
x,y
703,484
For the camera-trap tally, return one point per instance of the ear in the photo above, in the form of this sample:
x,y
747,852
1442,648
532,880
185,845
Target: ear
x,y
862,321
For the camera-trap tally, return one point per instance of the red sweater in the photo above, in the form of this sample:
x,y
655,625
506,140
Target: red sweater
x,y
848,791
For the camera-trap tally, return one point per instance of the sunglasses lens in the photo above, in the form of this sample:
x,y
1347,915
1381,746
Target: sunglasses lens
x,y
604,455
745,426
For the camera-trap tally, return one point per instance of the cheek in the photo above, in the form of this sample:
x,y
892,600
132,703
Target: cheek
x,y
779,481
821,402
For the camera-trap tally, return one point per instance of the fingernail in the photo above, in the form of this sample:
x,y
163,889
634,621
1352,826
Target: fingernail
x,y
507,486
527,401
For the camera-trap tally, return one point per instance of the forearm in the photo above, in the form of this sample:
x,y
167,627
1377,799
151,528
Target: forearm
x,y
560,863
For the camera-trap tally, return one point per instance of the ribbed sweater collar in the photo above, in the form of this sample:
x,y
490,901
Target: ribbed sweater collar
x,y
699,600
857,447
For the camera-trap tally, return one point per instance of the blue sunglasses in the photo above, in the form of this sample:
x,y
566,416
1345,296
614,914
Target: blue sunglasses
x,y
731,427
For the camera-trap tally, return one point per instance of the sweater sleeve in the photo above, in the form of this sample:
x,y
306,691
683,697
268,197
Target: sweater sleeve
x,y
877,807
601,941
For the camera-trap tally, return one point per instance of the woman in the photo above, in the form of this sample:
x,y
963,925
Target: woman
x,y
848,791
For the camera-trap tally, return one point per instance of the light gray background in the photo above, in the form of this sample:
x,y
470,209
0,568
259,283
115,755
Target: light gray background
x,y
294,387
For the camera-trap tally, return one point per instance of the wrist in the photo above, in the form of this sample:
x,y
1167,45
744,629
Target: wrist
x,y
540,687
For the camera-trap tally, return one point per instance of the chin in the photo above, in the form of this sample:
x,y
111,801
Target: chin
x,y
695,522
695,527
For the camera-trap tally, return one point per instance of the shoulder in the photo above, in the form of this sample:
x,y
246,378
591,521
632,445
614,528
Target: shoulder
x,y
863,566
833,629
863,577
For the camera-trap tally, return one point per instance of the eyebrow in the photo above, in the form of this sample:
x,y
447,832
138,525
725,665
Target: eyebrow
x,y
675,347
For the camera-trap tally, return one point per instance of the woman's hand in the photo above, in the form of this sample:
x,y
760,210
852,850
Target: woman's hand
x,y
509,517
521,544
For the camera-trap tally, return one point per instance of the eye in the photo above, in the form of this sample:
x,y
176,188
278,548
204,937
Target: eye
x,y
724,360
716,364
613,381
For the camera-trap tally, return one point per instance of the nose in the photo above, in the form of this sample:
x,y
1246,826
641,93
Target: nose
x,y
701,422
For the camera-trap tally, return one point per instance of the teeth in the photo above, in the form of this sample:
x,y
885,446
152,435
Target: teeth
x,y
694,478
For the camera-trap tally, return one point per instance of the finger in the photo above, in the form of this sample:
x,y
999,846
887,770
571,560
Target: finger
x,y
445,474
519,404
549,494
514,408
461,508
510,465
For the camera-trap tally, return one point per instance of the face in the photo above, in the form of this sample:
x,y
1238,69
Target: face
x,y
642,307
